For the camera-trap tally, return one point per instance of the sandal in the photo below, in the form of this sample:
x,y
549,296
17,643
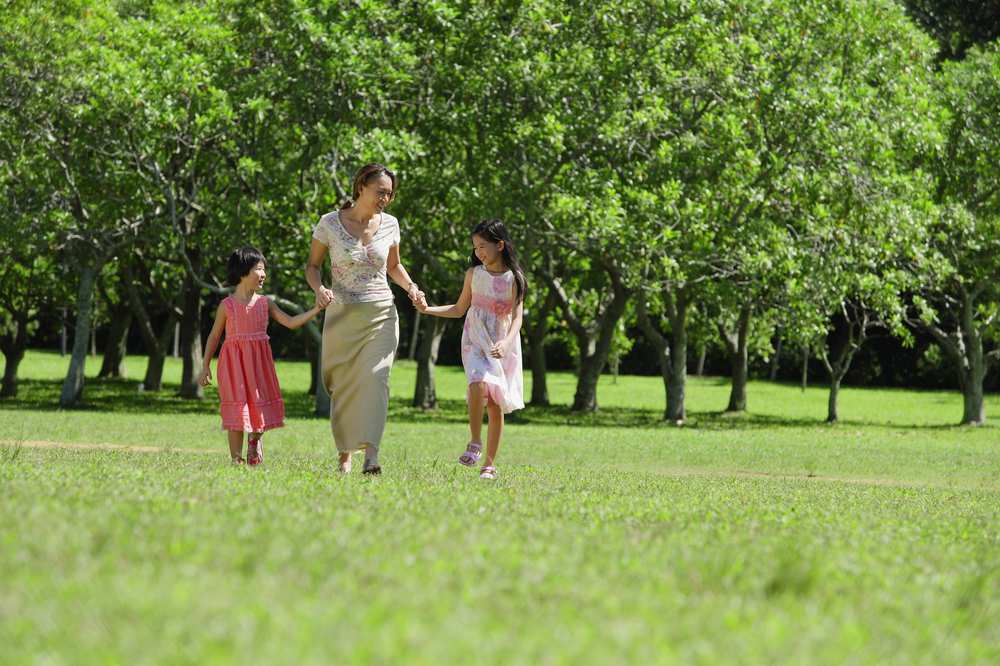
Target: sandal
x,y
374,470
255,451
488,472
471,455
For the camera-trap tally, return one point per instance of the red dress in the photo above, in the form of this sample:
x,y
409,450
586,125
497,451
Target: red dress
x,y
248,385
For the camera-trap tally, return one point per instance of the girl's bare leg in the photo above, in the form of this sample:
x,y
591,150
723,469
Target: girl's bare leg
x,y
235,443
477,401
493,432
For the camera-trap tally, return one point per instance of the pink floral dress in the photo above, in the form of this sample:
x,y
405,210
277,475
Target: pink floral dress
x,y
248,385
488,321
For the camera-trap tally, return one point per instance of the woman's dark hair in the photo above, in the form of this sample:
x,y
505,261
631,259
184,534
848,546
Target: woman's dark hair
x,y
494,231
241,262
366,175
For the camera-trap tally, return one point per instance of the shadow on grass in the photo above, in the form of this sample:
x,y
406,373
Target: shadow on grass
x,y
123,396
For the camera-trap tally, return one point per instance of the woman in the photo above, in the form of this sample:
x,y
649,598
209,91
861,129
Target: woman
x,y
361,328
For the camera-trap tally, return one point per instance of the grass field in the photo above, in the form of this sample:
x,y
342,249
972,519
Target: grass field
x,y
608,539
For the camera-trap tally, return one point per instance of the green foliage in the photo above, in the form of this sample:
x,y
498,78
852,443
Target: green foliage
x,y
794,156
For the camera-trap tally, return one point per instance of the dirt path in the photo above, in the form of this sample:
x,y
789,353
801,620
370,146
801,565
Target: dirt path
x,y
42,444
964,484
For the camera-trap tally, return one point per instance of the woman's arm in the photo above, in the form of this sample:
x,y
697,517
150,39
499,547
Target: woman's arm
x,y
292,321
205,378
457,309
314,273
394,269
501,348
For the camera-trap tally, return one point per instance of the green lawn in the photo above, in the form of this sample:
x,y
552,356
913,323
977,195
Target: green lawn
x,y
608,539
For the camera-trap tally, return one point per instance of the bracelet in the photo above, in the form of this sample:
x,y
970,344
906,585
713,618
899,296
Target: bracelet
x,y
412,285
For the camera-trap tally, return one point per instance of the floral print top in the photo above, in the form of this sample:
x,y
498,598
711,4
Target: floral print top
x,y
359,270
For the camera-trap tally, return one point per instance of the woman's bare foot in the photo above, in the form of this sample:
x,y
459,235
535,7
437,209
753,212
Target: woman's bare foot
x,y
345,463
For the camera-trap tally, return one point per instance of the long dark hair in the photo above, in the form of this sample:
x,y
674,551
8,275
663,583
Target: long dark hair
x,y
365,176
495,231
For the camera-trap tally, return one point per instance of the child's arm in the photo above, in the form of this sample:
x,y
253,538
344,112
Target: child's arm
x,y
290,321
205,378
457,309
501,348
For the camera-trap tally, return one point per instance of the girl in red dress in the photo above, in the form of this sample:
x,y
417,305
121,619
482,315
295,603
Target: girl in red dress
x,y
248,385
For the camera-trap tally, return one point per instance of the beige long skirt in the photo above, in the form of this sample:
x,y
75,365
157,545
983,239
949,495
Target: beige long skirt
x,y
359,344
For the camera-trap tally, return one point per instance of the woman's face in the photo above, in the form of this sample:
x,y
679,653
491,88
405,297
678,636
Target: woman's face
x,y
486,250
377,193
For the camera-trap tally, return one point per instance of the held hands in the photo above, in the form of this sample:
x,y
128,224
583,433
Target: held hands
x,y
323,297
499,350
417,297
205,377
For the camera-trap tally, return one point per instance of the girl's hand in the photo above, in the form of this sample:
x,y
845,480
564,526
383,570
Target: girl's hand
x,y
205,378
499,350
421,305
323,297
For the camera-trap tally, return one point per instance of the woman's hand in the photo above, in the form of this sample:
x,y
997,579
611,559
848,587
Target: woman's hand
x,y
205,377
499,350
323,297
416,296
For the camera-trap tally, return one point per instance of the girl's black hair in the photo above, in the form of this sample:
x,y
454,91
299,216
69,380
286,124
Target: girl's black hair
x,y
495,231
241,262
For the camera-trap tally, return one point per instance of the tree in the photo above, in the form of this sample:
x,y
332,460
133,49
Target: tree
x,y
75,108
959,301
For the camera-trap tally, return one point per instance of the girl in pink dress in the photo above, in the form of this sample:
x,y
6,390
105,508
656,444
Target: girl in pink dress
x,y
248,386
493,296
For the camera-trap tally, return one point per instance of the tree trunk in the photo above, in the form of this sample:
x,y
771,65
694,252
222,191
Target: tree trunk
x,y
62,333
14,347
157,356
773,372
595,345
973,407
537,331
190,341
702,353
72,388
676,407
116,347
156,345
965,348
974,367
659,343
594,339
425,393
671,353
736,343
831,403
848,335
805,368
539,375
